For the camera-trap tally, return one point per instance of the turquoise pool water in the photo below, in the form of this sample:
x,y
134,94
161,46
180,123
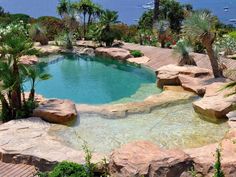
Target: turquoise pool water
x,y
95,80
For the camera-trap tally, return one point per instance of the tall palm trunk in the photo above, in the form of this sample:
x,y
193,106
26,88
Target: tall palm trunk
x,y
208,40
89,20
84,24
32,91
16,92
156,11
214,62
6,111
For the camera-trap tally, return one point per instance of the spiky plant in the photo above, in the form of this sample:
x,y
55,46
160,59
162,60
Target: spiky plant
x,y
183,48
162,28
38,34
198,27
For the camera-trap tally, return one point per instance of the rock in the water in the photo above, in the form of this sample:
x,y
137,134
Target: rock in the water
x,y
29,60
84,51
169,74
231,116
116,53
215,103
204,158
56,111
143,158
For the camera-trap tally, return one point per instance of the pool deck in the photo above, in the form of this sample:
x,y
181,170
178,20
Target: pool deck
x,y
17,170
161,56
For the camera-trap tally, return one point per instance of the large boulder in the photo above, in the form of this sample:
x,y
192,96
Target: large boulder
x,y
56,111
169,74
29,60
143,158
116,53
204,158
215,103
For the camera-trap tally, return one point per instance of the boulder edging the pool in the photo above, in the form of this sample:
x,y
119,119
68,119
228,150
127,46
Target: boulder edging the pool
x,y
143,158
116,53
56,111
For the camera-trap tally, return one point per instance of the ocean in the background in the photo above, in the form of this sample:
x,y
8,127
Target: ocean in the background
x,y
129,10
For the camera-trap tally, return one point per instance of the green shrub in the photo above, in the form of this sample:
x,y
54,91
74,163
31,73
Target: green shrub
x,y
67,169
52,25
233,34
136,53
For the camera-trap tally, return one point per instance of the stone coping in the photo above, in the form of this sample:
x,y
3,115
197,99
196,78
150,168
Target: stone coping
x,y
171,94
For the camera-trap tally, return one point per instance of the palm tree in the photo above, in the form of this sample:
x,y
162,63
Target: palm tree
x,y
37,33
34,74
107,19
199,26
156,11
183,49
85,7
63,7
12,48
66,10
94,11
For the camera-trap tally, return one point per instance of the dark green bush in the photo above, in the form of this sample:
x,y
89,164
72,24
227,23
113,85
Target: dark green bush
x,y
66,169
52,25
136,53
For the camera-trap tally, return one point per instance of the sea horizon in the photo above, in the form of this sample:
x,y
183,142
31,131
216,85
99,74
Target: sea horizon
x,y
129,10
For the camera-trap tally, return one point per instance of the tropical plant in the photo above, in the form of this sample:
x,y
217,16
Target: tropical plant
x,y
233,34
227,44
67,11
34,75
11,49
107,19
183,48
156,11
38,34
199,26
162,28
52,25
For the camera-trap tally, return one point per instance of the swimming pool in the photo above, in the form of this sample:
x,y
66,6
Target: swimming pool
x,y
95,80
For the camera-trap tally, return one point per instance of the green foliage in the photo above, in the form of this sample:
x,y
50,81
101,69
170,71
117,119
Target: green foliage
x,y
233,34
136,53
146,20
88,157
183,48
52,25
217,166
198,47
38,34
68,169
197,24
227,44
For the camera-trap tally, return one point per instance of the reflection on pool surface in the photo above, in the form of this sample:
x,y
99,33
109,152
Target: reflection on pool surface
x,y
169,126
93,80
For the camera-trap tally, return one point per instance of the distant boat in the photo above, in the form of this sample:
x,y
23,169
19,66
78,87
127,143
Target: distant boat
x,y
149,7
150,3
226,9
233,20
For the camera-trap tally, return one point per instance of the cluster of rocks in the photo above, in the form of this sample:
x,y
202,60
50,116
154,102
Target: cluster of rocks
x,y
215,103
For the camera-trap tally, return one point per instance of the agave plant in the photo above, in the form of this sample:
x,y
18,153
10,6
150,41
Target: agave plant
x,y
198,27
37,33
183,48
